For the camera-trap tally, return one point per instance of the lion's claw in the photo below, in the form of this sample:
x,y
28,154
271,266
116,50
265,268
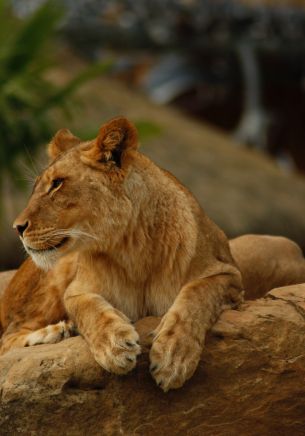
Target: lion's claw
x,y
174,357
117,348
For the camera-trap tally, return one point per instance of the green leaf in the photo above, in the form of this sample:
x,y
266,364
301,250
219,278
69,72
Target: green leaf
x,y
33,37
27,95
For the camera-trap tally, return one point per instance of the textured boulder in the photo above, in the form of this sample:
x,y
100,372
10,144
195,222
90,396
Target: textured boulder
x,y
250,381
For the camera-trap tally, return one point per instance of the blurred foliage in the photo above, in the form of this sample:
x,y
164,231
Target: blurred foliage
x,y
26,94
147,129
235,64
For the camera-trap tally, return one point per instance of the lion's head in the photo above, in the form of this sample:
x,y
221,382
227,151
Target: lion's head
x,y
81,196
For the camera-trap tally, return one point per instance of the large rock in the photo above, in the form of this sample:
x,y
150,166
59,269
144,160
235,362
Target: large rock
x,y
250,381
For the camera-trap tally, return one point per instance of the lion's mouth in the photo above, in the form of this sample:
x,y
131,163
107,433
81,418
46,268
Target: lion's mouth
x,y
49,249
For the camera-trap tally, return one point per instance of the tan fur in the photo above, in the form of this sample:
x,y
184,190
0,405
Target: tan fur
x,y
267,262
139,245
135,243
34,300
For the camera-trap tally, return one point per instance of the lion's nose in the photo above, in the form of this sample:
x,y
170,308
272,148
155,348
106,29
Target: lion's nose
x,y
21,228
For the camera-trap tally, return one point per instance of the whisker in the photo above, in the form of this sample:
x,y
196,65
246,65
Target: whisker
x,y
61,233
34,167
28,174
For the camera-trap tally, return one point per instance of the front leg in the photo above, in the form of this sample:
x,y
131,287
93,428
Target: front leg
x,y
111,337
179,338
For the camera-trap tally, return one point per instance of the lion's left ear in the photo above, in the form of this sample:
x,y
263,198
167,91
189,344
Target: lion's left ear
x,y
62,141
115,138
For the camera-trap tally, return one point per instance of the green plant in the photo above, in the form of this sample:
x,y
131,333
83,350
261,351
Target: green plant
x,y
26,94
148,129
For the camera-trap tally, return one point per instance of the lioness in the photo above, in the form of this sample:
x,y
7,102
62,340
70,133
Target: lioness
x,y
136,243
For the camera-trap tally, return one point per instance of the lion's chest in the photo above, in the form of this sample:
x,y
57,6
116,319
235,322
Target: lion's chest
x,y
139,300
139,289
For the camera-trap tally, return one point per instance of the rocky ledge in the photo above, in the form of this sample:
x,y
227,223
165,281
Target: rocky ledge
x,y
250,381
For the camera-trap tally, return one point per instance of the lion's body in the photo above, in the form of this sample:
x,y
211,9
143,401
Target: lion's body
x,y
157,255
135,243
34,298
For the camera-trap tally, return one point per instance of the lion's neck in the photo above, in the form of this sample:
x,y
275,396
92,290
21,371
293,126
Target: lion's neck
x,y
157,236
143,271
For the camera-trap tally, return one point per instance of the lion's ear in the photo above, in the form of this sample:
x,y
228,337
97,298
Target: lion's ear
x,y
115,138
62,141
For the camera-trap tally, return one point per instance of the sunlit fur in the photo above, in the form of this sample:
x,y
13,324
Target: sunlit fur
x,y
46,259
142,244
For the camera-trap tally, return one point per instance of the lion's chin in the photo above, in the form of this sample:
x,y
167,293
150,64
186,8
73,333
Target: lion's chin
x,y
46,258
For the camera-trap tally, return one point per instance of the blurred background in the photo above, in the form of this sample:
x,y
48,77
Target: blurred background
x,y
215,87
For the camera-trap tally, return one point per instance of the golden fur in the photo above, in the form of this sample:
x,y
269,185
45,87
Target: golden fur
x,y
144,247
125,240
267,262
34,298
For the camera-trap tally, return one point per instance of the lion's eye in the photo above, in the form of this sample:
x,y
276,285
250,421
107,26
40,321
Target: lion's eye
x,y
56,183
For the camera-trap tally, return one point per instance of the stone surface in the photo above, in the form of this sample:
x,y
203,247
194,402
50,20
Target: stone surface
x,y
250,381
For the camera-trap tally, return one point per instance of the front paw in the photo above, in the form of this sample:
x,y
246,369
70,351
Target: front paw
x,y
116,344
174,355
